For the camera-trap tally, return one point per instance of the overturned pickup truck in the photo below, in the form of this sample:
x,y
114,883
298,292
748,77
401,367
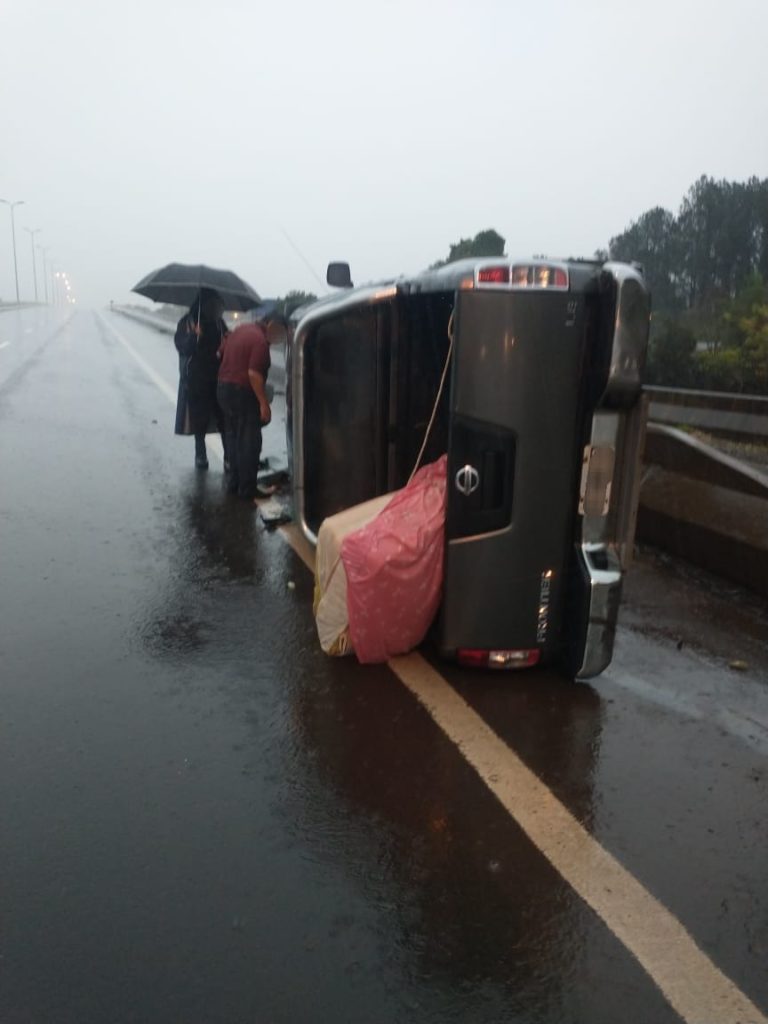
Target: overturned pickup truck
x,y
542,420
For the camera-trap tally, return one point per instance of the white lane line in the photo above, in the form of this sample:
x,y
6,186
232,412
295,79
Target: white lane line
x,y
155,377
693,985
212,443
689,980
698,990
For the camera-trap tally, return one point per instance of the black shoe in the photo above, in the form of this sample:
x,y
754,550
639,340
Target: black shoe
x,y
201,462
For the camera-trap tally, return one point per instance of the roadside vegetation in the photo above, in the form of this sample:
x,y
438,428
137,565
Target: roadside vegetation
x,y
707,268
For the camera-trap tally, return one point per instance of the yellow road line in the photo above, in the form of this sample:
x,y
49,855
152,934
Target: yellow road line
x,y
693,985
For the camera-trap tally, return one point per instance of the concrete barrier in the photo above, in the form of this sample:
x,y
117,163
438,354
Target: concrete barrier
x,y
704,506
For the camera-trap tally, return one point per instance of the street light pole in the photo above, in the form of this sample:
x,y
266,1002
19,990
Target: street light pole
x,y
19,202
44,250
32,234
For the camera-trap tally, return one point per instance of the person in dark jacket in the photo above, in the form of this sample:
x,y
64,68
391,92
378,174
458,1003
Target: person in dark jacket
x,y
199,335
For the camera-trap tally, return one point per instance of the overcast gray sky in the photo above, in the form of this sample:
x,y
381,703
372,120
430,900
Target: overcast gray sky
x,y
380,133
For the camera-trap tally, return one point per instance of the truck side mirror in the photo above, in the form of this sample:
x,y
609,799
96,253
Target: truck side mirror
x,y
338,275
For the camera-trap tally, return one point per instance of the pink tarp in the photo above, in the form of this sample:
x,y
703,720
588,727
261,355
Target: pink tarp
x,y
394,568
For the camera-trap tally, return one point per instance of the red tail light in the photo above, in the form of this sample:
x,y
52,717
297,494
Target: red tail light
x,y
524,275
561,278
474,658
493,275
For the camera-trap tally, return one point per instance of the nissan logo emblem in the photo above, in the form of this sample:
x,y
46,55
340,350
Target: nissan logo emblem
x,y
467,480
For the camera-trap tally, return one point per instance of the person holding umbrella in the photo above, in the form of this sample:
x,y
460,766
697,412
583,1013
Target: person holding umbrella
x,y
198,337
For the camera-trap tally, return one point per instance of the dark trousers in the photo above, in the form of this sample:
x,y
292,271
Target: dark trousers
x,y
242,437
204,411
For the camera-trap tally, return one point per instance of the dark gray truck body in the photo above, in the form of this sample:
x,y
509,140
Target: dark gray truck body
x,y
542,419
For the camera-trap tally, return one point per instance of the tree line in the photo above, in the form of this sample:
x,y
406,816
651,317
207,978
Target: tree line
x,y
707,268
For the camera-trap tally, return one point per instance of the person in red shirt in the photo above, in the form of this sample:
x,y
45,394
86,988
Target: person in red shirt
x,y
242,395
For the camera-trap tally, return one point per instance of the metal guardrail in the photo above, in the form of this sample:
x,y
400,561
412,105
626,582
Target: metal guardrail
x,y
718,412
6,307
277,373
151,319
694,501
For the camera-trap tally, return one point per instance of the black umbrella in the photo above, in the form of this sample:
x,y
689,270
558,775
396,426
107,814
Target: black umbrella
x,y
179,284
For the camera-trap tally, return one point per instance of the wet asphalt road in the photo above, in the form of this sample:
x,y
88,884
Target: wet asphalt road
x,y
205,819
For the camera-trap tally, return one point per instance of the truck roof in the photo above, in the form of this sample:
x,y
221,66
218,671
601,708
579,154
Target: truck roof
x,y
446,278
